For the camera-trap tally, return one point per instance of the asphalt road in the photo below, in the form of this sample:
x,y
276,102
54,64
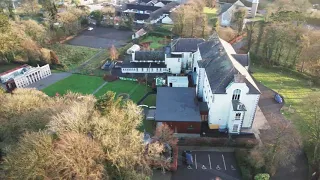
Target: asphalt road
x,y
208,165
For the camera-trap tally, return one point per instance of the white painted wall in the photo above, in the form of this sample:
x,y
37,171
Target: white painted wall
x,y
178,81
144,70
186,59
173,65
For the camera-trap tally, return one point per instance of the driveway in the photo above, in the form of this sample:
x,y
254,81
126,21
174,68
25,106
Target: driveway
x,y
271,109
53,78
101,37
207,165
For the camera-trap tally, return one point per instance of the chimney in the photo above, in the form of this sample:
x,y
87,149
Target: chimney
x,y
254,8
239,78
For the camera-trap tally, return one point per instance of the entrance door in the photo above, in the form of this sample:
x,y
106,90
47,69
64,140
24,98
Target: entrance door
x,y
170,84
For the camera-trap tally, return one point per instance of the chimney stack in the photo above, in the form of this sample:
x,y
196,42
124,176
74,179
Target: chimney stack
x,y
239,78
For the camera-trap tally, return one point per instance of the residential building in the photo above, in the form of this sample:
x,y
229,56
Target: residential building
x,y
177,81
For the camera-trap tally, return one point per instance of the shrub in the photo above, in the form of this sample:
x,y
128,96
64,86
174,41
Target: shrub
x,y
263,176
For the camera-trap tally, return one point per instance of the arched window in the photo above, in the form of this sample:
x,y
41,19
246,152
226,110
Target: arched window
x,y
236,94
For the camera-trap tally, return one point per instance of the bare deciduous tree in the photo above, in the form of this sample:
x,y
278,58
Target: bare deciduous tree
x,y
114,55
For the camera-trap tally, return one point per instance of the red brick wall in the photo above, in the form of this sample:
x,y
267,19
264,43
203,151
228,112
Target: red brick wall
x,y
185,127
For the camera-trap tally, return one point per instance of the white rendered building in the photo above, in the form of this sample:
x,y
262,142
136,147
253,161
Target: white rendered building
x,y
24,76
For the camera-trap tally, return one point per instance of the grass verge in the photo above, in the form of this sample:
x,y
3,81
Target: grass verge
x,y
72,56
156,42
150,100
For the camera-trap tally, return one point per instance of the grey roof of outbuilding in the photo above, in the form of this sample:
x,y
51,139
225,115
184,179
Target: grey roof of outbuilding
x,y
186,44
243,59
149,55
219,68
177,104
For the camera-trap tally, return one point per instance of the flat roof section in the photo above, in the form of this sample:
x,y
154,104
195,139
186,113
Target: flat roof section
x,y
177,104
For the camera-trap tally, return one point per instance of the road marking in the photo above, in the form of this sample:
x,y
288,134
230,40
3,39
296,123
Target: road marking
x,y
218,168
224,163
189,167
203,167
195,160
233,168
209,161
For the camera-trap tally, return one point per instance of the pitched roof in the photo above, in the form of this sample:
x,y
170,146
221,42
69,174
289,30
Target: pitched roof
x,y
221,67
149,55
177,104
243,59
163,10
141,32
186,44
224,7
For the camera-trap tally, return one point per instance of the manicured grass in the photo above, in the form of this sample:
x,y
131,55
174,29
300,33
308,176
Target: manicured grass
x,y
135,90
150,100
6,67
75,83
155,41
72,56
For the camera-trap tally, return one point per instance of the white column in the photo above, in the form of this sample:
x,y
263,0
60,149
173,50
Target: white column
x,y
39,77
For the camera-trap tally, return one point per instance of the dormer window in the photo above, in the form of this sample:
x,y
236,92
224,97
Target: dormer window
x,y
236,94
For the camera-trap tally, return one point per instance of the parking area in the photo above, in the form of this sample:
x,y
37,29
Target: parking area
x,y
208,165
100,37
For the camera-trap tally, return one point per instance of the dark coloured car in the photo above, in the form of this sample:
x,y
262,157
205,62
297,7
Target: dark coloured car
x,y
187,157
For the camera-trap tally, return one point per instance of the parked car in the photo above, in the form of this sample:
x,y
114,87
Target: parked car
x,y
187,157
278,98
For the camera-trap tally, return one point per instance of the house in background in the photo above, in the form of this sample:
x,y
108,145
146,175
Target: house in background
x,y
141,32
227,11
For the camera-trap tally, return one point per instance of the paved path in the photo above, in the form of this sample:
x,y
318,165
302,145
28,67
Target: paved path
x,y
86,62
53,78
95,91
271,110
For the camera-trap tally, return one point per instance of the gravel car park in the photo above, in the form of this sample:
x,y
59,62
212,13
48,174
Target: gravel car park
x,y
207,165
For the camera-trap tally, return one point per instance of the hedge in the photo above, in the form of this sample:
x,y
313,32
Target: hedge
x,y
209,141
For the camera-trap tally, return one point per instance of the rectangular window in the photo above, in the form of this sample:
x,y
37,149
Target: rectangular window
x,y
238,116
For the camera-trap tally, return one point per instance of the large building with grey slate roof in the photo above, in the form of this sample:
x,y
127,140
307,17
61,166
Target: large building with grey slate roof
x,y
226,94
224,83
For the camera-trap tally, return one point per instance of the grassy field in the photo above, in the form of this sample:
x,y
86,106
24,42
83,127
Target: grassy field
x,y
155,41
72,56
75,83
135,90
4,68
94,67
150,100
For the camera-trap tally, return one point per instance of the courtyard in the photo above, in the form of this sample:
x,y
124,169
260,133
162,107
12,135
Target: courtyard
x,y
101,37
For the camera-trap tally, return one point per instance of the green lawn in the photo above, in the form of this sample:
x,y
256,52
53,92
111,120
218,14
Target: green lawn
x,y
155,41
6,67
150,100
72,56
75,83
135,90
94,67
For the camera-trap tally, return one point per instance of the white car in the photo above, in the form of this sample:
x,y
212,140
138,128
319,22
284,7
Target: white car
x,y
90,28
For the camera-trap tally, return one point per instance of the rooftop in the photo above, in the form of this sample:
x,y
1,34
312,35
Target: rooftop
x,y
220,66
178,104
243,59
143,65
186,44
149,55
